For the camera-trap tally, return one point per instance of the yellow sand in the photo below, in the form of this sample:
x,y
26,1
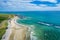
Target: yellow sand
x,y
18,32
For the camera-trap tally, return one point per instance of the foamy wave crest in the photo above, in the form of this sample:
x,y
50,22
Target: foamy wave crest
x,y
43,23
32,37
47,24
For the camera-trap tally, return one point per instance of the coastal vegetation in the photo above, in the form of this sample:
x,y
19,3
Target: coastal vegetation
x,y
4,23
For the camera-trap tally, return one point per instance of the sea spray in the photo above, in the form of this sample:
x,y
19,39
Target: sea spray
x,y
32,37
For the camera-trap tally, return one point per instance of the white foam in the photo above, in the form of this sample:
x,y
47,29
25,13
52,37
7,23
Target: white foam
x,y
33,37
57,26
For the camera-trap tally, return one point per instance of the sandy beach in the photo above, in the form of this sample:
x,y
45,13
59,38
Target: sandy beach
x,y
15,31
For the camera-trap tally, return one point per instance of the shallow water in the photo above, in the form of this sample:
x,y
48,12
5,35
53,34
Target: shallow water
x,y
42,31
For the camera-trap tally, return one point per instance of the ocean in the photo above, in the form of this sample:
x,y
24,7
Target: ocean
x,y
45,25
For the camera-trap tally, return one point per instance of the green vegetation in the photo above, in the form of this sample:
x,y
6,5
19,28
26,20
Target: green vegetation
x,y
3,23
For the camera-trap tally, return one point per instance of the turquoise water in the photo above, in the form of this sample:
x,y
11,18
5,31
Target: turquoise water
x,y
42,31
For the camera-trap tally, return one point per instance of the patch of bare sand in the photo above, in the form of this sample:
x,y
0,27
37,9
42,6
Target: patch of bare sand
x,y
12,35
18,34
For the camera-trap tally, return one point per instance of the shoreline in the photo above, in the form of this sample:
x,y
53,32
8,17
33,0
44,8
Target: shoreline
x,y
13,25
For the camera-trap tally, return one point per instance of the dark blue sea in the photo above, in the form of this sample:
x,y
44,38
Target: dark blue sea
x,y
45,24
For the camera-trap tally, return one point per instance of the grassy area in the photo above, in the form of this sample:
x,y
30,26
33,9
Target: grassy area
x,y
3,23
2,31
